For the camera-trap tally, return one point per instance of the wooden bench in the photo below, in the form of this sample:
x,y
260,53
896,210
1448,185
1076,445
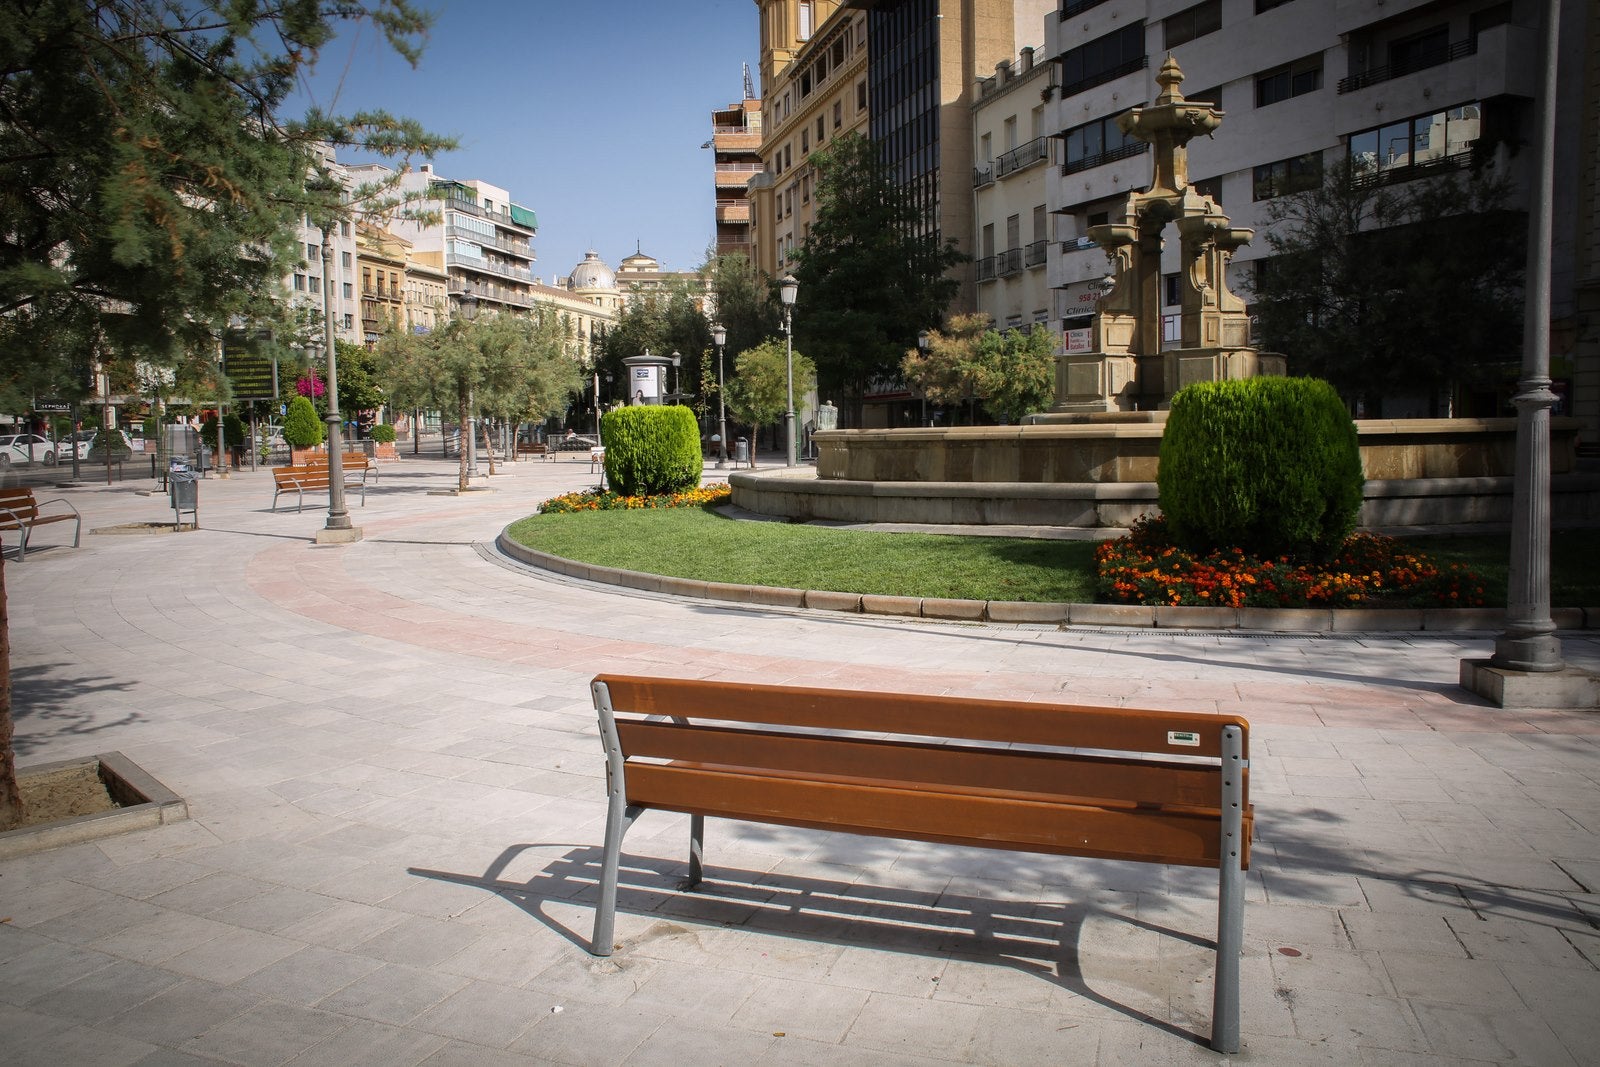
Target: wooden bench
x,y
1112,783
19,510
313,477
533,448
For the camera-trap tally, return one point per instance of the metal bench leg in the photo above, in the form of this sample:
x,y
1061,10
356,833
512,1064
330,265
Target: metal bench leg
x,y
1230,897
697,850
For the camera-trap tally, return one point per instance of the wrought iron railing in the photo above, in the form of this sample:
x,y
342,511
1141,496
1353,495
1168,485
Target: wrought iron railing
x,y
1022,156
1109,74
1125,151
1389,71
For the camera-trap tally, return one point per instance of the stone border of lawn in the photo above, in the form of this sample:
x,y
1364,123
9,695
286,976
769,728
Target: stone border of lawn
x,y
145,803
1282,620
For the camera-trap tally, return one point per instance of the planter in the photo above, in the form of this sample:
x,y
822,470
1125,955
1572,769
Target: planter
x,y
145,803
384,450
301,456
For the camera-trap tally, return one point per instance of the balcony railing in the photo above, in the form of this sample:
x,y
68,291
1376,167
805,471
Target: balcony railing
x,y
733,212
488,266
493,293
1036,253
983,175
1367,179
1110,74
1389,71
1023,156
1008,262
1125,151
985,269
520,248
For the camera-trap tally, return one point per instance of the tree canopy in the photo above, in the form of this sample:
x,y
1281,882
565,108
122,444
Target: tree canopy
x,y
1393,289
759,394
148,182
870,275
1011,374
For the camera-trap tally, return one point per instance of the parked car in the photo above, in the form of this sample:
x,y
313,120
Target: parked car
x,y
19,449
79,442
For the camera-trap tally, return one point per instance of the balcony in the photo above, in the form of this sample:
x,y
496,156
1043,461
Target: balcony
x,y
733,212
1035,254
1008,262
1367,179
1110,74
737,139
493,294
516,248
1125,151
1027,155
488,266
1388,71
983,175
1078,7
985,269
735,175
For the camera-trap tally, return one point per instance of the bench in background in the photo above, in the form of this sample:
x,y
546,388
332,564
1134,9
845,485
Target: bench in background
x,y
314,478
1113,783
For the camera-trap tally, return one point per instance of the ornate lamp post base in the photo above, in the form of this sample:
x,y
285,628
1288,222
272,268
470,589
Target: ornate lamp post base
x,y
339,536
1569,687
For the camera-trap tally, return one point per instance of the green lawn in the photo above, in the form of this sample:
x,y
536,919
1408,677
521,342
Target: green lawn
x,y
693,543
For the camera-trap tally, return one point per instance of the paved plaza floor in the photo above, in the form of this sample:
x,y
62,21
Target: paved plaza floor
x,y
396,793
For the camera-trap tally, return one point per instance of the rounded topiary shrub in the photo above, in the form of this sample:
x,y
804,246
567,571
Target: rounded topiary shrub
x,y
651,449
383,433
301,427
232,425
1269,465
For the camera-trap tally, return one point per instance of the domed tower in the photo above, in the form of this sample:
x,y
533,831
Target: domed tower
x,y
593,281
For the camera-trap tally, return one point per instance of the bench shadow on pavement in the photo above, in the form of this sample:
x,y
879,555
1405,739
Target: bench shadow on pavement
x,y
1036,937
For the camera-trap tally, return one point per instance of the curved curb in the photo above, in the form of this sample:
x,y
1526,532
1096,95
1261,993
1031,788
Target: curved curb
x,y
1133,616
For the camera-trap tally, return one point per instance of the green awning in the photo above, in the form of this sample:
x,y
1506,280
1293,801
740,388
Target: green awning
x,y
524,217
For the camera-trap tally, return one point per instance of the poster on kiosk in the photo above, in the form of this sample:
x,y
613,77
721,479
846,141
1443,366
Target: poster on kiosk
x,y
646,385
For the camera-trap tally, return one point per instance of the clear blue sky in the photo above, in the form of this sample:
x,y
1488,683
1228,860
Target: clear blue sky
x,y
591,113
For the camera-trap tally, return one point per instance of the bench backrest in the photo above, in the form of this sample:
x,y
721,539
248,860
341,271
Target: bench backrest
x,y
304,475
1072,779
346,459
19,499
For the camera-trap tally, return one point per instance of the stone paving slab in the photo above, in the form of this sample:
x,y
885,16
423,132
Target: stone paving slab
x,y
397,795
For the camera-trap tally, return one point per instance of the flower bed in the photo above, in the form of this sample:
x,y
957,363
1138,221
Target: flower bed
x,y
1144,567
602,500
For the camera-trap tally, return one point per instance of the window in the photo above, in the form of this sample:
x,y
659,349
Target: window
x,y
838,113
1268,5
988,240
314,284
1041,223
805,20
1211,187
1212,96
1014,231
805,142
344,260
1400,149
819,129
366,279
349,321
985,148
1097,142
861,95
299,283
1193,22
1011,133
349,290
1420,50
1287,176
312,255
1102,59
1296,79
805,189
344,229
1169,290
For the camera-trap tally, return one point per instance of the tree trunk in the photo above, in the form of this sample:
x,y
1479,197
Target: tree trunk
x,y
10,795
488,446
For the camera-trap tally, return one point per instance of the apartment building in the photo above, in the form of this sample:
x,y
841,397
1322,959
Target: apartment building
x,y
381,262
1011,219
483,241
736,158
1412,87
425,301
813,63
305,282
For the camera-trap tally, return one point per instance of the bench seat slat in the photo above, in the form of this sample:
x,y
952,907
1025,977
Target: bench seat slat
x,y
1110,778
1051,827
1079,726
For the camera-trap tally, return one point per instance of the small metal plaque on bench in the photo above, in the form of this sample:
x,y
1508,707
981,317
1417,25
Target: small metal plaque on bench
x,y
1187,738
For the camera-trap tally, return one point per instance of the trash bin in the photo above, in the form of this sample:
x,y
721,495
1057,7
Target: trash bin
x,y
741,451
203,459
183,489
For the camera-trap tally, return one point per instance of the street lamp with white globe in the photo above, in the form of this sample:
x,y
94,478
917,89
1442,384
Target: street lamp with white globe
x,y
719,334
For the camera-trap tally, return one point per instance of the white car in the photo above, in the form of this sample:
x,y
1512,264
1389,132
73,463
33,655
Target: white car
x,y
20,449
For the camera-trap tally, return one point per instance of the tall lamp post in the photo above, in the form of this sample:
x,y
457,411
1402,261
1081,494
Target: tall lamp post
x,y
677,386
720,336
468,309
338,529
788,289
